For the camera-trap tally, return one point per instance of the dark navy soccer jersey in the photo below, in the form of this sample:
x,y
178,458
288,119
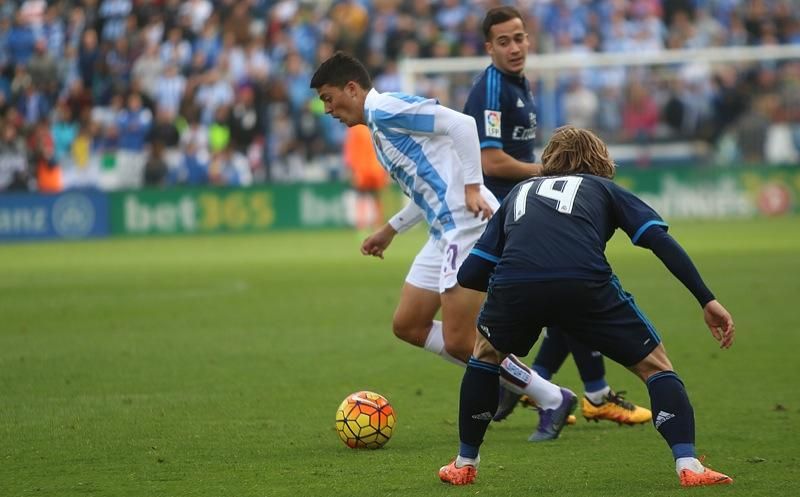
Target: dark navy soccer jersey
x,y
557,228
505,112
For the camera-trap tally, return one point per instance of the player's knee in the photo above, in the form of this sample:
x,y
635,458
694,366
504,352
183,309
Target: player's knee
x,y
410,332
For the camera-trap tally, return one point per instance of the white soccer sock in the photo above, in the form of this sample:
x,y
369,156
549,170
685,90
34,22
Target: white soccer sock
x,y
690,463
521,379
598,397
466,461
435,343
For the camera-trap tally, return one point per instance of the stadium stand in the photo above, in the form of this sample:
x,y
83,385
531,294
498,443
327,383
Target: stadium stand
x,y
121,94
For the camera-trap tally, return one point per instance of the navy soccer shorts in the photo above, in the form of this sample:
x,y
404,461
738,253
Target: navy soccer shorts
x,y
600,315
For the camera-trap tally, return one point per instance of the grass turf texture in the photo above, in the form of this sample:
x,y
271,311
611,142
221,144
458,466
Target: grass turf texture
x,y
213,367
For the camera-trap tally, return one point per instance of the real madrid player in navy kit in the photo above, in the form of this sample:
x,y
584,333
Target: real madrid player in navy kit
x,y
502,104
542,260
432,153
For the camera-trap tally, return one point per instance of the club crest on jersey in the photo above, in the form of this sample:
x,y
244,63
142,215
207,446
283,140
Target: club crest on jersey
x,y
492,121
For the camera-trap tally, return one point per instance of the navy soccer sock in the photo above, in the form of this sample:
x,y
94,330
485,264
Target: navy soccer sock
x,y
673,415
479,389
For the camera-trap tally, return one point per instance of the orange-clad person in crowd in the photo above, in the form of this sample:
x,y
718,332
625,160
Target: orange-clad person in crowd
x,y
48,171
368,176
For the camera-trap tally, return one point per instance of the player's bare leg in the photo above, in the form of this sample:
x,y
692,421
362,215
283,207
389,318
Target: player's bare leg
x,y
460,308
414,321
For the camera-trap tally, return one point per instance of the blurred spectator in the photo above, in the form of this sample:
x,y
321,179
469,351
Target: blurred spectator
x,y
113,13
155,169
213,92
20,41
147,69
134,123
42,66
42,159
639,114
14,173
580,105
165,134
244,121
230,168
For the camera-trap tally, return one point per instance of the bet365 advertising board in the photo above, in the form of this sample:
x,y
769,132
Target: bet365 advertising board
x,y
216,210
679,193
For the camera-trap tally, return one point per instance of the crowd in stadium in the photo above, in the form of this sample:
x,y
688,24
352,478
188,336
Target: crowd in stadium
x,y
128,93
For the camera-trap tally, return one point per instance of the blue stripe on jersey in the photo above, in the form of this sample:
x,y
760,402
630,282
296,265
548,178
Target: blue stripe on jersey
x,y
491,144
629,300
644,227
406,180
396,171
414,122
425,171
485,255
492,89
412,99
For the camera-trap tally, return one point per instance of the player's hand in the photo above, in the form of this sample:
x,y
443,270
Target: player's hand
x,y
376,243
720,323
476,204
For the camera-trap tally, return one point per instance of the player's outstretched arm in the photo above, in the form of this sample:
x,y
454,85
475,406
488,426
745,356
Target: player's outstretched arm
x,y
720,323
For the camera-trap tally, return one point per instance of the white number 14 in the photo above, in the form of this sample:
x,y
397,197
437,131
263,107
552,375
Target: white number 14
x,y
565,196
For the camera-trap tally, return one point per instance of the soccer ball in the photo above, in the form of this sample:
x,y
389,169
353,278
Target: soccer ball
x,y
365,420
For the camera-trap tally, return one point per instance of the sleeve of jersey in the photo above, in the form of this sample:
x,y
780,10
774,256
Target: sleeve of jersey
x,y
677,261
461,129
407,217
633,216
477,268
487,119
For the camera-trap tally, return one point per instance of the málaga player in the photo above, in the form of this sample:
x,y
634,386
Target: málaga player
x,y
433,154
545,249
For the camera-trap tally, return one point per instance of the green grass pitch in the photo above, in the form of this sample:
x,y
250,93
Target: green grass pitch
x,y
205,366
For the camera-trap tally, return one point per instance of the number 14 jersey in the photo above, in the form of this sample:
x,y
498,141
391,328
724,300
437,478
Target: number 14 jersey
x,y
553,228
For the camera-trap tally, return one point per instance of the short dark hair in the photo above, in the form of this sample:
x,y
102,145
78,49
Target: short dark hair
x,y
498,15
339,70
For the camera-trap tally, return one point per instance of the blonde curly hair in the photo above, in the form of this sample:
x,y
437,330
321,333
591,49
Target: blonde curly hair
x,y
574,150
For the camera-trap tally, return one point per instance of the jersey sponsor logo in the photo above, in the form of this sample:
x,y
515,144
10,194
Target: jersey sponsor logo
x,y
663,417
523,133
520,103
492,122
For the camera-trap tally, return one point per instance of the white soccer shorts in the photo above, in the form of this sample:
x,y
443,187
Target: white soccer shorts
x,y
435,267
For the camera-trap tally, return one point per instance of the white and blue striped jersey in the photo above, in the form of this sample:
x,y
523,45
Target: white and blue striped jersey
x,y
431,152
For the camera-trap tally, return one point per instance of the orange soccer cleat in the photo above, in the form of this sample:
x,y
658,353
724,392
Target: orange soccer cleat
x,y
455,475
708,477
